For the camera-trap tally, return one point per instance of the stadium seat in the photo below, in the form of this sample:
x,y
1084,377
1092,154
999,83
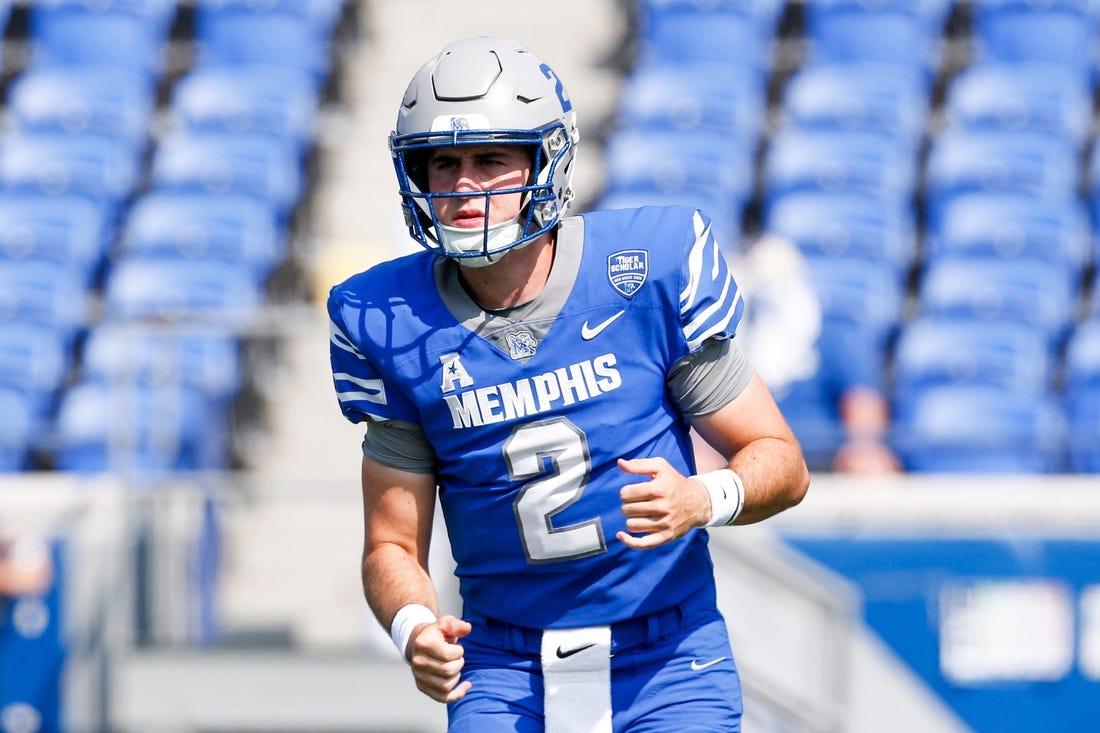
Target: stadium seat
x,y
859,97
934,350
838,161
1092,184
103,169
1082,364
73,35
1082,396
963,161
35,360
861,303
241,231
283,103
670,161
132,427
158,14
694,97
895,32
207,359
685,31
665,167
1014,226
1025,31
322,15
224,163
111,102
1083,417
850,225
66,231
237,36
40,292
976,428
140,288
17,430
1023,97
1019,291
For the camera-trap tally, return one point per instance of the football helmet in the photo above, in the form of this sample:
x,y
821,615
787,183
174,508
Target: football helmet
x,y
485,91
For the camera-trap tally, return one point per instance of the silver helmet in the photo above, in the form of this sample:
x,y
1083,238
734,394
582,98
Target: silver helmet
x,y
482,91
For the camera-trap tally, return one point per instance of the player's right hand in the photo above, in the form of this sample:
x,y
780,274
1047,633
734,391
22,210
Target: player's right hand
x,y
437,658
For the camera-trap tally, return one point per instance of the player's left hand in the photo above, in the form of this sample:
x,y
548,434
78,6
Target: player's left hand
x,y
662,509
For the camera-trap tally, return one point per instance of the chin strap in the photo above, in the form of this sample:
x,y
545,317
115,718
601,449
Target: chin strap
x,y
456,240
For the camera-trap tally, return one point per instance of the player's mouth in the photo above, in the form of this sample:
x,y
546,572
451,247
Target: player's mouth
x,y
468,219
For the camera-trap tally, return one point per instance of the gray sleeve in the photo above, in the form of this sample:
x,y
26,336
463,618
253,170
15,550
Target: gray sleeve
x,y
399,444
706,380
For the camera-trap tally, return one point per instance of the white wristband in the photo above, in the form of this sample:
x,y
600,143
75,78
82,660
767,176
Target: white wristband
x,y
406,619
727,495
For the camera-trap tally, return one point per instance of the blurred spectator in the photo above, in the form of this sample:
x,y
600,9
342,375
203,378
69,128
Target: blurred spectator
x,y
783,335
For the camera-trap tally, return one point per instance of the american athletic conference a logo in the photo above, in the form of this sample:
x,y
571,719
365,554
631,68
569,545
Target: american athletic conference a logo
x,y
627,270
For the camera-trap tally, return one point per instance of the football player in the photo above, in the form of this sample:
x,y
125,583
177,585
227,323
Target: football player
x,y
540,374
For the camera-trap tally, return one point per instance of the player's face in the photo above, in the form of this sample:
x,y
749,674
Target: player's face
x,y
475,169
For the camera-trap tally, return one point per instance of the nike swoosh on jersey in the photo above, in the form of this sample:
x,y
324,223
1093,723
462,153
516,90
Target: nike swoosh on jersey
x,y
697,666
564,653
590,332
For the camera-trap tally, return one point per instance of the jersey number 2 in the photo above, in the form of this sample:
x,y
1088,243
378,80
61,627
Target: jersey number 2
x,y
554,455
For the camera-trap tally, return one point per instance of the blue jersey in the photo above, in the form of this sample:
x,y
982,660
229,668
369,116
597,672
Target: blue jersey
x,y
528,415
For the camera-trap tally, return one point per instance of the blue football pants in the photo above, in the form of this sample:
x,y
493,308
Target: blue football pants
x,y
677,674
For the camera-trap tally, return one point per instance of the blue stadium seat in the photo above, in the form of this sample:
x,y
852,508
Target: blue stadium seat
x,y
934,350
133,427
706,98
322,15
969,428
1082,366
222,163
1014,226
838,161
206,359
688,31
241,231
1025,31
1021,98
963,161
281,103
112,102
40,292
861,303
35,360
157,14
669,161
73,35
212,292
861,97
1092,185
66,231
238,36
851,225
663,167
103,169
1083,417
900,33
1081,396
1018,291
17,430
